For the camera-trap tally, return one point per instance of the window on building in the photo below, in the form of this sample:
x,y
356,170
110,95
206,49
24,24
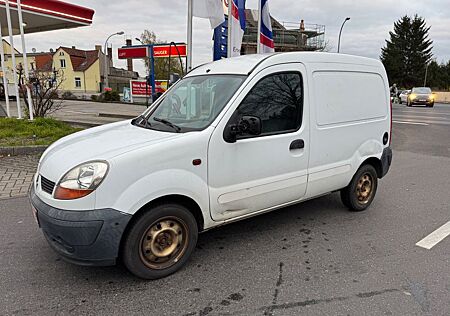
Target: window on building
x,y
32,66
77,82
278,101
61,53
63,63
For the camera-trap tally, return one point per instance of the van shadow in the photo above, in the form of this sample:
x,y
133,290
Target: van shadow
x,y
222,242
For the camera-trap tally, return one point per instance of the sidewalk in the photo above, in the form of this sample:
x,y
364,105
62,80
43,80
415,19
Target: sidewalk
x,y
87,113
16,175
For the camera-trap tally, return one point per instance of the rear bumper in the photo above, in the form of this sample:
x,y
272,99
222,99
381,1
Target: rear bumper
x,y
386,160
89,237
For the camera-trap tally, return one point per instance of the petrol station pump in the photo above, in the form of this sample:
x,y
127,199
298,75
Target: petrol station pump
x,y
150,52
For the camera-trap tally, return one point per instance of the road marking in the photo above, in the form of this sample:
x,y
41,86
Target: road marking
x,y
409,122
435,237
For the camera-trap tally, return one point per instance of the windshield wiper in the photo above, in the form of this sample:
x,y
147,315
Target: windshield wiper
x,y
166,122
143,121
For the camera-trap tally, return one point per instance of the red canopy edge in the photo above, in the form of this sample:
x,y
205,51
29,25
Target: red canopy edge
x,y
55,8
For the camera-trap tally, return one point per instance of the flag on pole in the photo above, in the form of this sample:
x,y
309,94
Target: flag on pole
x,y
265,42
237,26
209,9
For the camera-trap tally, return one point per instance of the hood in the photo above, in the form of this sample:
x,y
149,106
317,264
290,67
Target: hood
x,y
98,143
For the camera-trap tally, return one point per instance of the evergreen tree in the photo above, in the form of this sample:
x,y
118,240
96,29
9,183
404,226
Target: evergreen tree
x,y
407,52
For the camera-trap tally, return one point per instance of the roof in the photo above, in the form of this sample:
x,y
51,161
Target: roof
x,y
247,63
44,61
81,59
45,15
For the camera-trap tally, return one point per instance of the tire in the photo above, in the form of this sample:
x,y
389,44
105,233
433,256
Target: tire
x,y
431,105
359,194
160,241
400,101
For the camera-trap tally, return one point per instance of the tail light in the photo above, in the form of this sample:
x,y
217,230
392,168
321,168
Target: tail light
x,y
390,129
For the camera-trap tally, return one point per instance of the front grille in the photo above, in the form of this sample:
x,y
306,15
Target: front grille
x,y
47,185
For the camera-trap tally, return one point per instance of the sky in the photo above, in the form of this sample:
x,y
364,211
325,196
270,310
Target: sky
x,y
364,34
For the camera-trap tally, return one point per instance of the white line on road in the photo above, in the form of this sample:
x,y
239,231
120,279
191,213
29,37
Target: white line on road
x,y
412,123
435,237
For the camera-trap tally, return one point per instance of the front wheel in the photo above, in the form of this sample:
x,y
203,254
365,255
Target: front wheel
x,y
160,241
359,194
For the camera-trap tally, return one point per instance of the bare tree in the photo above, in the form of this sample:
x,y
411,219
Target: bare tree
x,y
162,64
44,88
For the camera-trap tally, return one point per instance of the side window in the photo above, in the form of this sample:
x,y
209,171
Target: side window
x,y
278,101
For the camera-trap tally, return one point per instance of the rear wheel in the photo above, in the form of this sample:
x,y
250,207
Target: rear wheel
x,y
359,194
160,242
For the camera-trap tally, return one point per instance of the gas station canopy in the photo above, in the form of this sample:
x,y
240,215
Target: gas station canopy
x,y
45,15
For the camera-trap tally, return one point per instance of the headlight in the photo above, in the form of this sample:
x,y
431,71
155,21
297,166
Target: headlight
x,y
81,180
412,96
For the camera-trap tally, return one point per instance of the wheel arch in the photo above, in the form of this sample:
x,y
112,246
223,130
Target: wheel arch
x,y
376,163
183,200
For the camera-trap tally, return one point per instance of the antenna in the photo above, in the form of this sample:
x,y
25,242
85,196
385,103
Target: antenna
x,y
33,50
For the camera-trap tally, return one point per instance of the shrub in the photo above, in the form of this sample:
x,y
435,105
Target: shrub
x,y
110,96
67,95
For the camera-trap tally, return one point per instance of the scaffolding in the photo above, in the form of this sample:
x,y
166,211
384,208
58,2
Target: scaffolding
x,y
288,37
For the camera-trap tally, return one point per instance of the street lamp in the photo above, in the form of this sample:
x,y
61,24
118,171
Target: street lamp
x,y
106,68
340,33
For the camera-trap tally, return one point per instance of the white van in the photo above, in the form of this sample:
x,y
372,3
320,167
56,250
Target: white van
x,y
232,139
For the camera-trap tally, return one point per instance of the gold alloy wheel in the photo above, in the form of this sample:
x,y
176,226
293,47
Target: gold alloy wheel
x,y
364,188
164,243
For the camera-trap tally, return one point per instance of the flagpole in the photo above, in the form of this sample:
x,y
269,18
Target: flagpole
x,y
25,61
258,34
189,38
13,58
230,3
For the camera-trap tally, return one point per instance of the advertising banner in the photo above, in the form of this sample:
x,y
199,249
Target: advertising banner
x,y
140,88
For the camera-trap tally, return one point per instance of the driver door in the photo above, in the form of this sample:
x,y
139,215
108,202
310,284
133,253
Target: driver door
x,y
260,172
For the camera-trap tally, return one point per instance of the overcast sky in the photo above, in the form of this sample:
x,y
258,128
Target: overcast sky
x,y
364,34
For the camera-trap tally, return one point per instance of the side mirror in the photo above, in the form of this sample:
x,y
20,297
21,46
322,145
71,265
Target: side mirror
x,y
250,125
247,125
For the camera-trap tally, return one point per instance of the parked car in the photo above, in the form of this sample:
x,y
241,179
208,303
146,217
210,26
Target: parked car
x,y
403,97
232,139
421,95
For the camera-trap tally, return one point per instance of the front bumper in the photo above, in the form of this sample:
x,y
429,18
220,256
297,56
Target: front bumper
x,y
425,102
89,237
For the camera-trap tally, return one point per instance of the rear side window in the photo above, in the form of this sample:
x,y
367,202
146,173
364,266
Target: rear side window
x,y
278,101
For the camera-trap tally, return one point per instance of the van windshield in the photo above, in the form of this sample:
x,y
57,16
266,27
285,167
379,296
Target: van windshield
x,y
192,104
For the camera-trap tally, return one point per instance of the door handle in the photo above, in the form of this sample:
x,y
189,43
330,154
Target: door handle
x,y
297,144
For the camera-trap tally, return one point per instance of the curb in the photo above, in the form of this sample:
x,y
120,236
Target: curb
x,y
117,115
81,124
22,150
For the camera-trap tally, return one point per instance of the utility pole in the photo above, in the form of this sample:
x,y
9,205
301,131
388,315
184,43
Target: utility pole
x,y
340,33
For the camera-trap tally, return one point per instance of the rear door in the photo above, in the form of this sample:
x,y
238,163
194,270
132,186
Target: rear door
x,y
260,172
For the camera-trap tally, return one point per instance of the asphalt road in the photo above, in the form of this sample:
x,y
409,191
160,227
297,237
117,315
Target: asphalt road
x,y
315,258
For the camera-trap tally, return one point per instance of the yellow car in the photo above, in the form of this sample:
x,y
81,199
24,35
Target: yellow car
x,y
420,95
